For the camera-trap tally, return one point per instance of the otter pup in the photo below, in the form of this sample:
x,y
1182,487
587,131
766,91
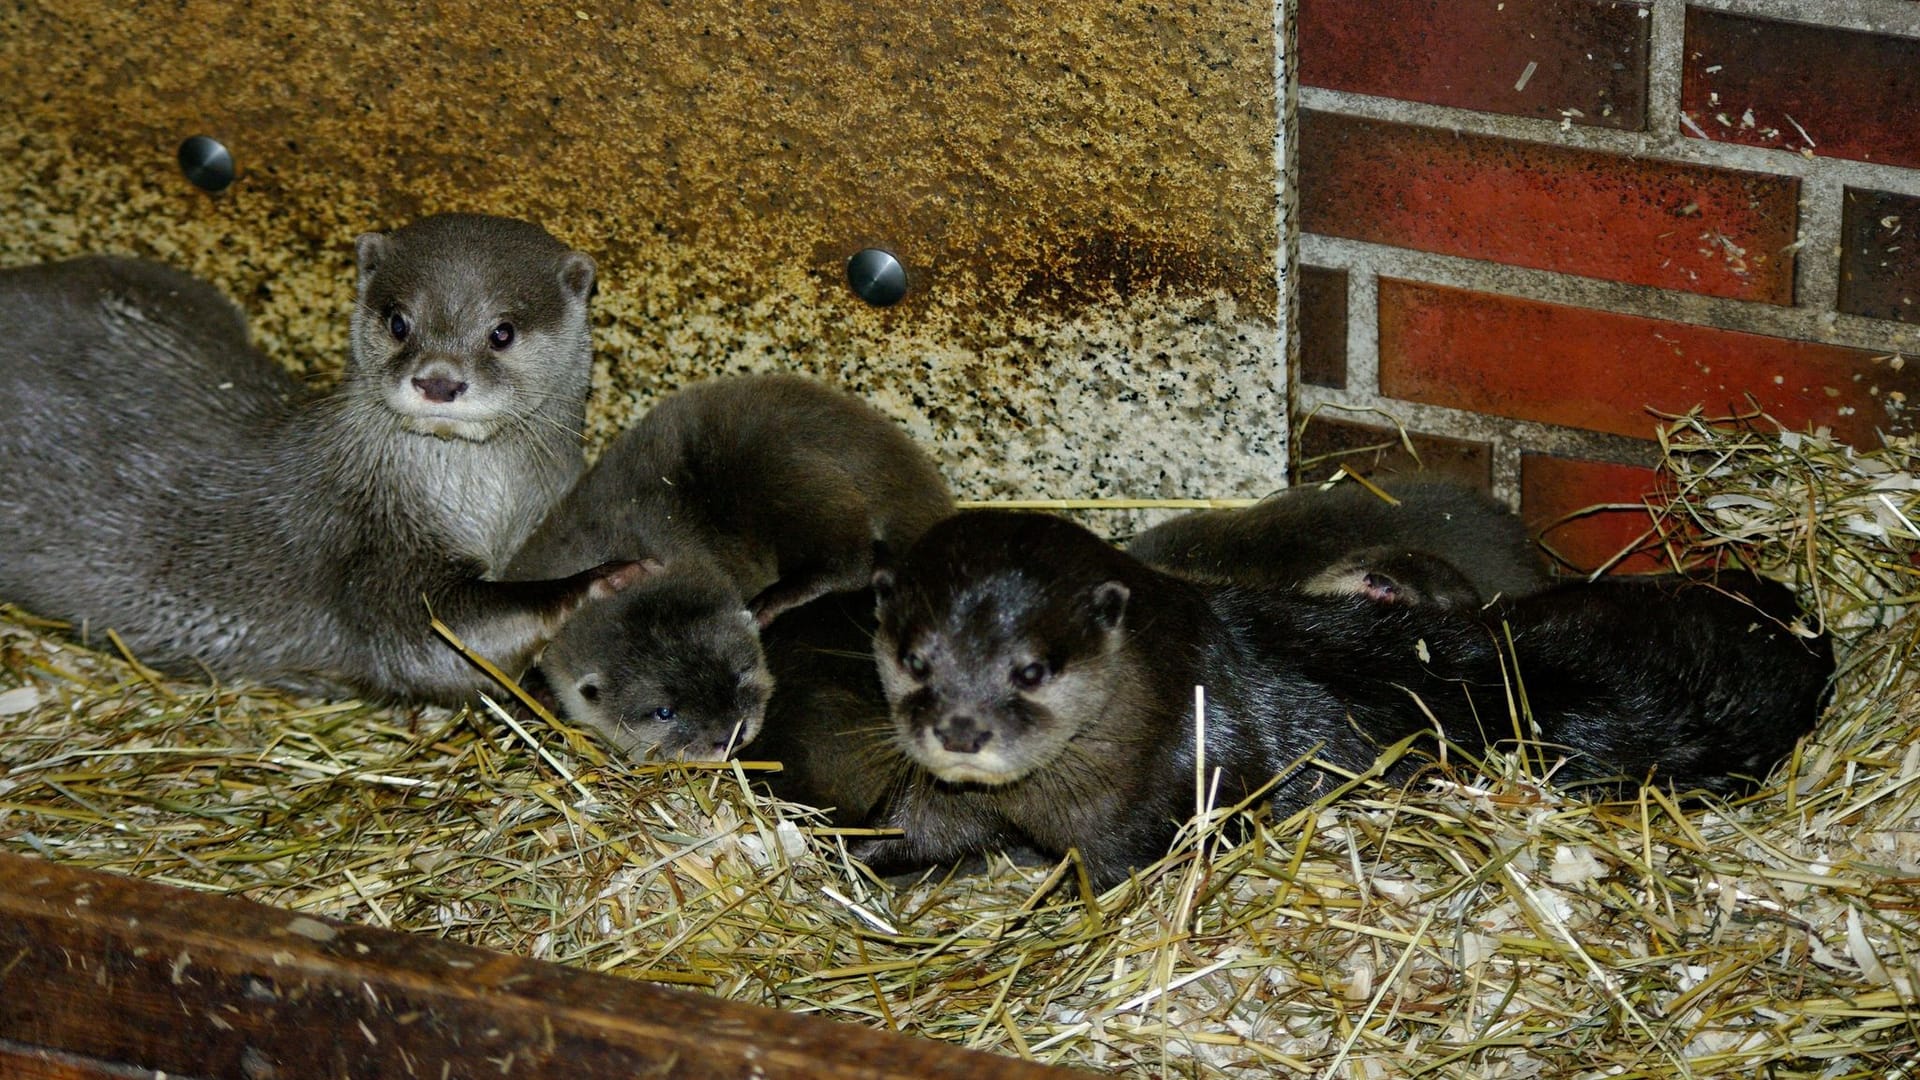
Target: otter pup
x,y
744,497
1043,682
827,721
168,481
1465,546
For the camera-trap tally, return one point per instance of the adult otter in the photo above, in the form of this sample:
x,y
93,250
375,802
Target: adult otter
x,y
1043,682
1311,536
169,482
745,496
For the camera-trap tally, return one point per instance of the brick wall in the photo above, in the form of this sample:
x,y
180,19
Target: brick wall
x,y
1527,227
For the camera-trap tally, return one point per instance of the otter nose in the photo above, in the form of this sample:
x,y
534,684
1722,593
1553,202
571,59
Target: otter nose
x,y
960,735
439,389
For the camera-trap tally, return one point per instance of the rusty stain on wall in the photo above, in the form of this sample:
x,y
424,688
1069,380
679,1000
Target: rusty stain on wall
x,y
1083,193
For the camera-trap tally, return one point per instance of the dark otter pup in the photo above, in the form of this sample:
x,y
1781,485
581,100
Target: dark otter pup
x,y
827,721
1043,682
167,481
1312,536
745,497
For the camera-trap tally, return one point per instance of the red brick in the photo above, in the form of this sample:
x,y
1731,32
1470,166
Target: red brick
x,y
1603,371
1880,255
1590,56
1322,312
1552,488
1324,444
1689,227
1840,93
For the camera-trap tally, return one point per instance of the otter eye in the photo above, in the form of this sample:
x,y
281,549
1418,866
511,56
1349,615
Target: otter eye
x,y
399,325
1030,676
916,665
500,336
589,691
664,713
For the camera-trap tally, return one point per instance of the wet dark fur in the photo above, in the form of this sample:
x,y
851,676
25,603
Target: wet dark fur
x,y
166,480
1293,538
827,721
1670,679
1692,681
748,496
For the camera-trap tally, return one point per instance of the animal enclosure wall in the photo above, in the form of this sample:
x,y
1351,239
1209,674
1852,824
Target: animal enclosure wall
x,y
1089,201
1084,195
1524,224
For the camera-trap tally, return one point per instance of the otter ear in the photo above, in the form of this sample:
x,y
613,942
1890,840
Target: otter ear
x,y
371,250
540,689
1109,603
577,275
883,583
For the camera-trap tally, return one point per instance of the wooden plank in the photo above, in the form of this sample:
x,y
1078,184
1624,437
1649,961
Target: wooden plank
x,y
98,966
19,1062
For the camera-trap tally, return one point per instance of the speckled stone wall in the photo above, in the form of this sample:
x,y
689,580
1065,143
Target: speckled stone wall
x,y
1084,194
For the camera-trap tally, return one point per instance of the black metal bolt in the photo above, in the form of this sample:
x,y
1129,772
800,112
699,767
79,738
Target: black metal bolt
x,y
877,277
206,163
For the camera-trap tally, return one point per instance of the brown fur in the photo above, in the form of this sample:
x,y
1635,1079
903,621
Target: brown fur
x,y
1467,547
746,496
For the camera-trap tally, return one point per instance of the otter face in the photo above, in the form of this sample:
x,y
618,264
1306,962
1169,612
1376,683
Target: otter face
x,y
992,679
660,678
467,325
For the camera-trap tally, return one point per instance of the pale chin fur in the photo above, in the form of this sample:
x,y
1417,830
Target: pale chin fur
x,y
441,427
473,424
987,767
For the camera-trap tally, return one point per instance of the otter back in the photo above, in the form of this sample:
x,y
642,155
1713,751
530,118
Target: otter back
x,y
1305,536
746,496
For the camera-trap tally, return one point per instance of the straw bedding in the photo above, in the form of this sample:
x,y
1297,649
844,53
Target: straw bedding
x,y
1478,925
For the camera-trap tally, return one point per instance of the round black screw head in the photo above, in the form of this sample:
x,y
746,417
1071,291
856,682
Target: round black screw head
x,y
877,277
206,163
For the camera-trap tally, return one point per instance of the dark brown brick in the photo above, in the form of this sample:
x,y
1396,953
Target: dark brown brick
x,y
1324,444
1688,227
1880,255
1588,57
1603,371
1586,512
1322,311
1794,86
